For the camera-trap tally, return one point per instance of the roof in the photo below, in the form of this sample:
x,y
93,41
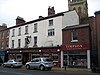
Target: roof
x,y
76,26
97,12
39,19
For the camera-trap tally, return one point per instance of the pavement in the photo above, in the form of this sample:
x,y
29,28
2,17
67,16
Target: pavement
x,y
69,70
59,69
80,70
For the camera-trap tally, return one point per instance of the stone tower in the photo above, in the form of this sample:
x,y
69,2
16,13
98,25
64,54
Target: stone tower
x,y
80,6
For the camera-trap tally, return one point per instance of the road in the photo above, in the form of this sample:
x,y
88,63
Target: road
x,y
21,71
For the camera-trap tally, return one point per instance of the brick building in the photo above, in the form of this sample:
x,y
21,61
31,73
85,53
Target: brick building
x,y
77,45
4,41
97,23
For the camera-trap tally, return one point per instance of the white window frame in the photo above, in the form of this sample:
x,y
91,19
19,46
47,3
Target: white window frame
x,y
13,32
35,27
51,22
51,32
74,34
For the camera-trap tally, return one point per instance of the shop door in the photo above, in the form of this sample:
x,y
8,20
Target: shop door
x,y
25,58
65,60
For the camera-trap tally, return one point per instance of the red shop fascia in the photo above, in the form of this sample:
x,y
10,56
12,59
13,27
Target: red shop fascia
x,y
75,47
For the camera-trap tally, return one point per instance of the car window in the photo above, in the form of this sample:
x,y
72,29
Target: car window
x,y
47,60
10,61
37,60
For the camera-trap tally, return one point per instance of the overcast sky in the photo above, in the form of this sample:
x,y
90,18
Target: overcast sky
x,y
31,9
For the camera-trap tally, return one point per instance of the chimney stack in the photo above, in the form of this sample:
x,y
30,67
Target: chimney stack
x,y
51,11
19,20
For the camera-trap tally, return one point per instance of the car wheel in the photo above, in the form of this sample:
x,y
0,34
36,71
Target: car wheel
x,y
27,66
12,66
42,68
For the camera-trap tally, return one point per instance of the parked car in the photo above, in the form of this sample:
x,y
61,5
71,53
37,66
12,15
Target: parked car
x,y
12,63
40,63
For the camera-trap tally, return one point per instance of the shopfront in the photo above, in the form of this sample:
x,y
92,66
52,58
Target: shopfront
x,y
28,54
2,56
76,56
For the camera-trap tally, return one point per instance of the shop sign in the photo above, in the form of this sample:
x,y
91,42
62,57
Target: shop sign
x,y
75,47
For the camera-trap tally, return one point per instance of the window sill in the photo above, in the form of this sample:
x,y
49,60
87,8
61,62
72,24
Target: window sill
x,y
35,31
26,33
74,41
19,35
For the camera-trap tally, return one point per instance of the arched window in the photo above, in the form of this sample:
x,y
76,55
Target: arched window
x,y
74,8
79,9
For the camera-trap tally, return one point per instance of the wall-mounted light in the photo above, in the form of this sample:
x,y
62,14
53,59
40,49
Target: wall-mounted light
x,y
7,51
20,51
58,50
39,50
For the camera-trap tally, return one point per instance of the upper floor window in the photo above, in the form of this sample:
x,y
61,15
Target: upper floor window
x,y
74,35
2,45
2,35
7,34
7,43
26,29
13,32
19,31
12,43
19,43
35,40
35,27
51,32
50,22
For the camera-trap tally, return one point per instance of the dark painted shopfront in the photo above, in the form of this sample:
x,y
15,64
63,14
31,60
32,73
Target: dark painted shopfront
x,y
27,54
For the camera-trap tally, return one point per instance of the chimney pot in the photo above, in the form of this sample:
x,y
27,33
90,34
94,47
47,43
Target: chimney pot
x,y
19,20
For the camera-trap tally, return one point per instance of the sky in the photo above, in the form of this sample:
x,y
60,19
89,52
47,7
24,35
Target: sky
x,y
32,9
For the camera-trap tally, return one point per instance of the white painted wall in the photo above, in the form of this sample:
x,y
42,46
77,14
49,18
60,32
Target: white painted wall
x,y
70,18
43,40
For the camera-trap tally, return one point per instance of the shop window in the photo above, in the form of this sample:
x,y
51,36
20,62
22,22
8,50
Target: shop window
x,y
45,55
18,56
35,55
55,57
